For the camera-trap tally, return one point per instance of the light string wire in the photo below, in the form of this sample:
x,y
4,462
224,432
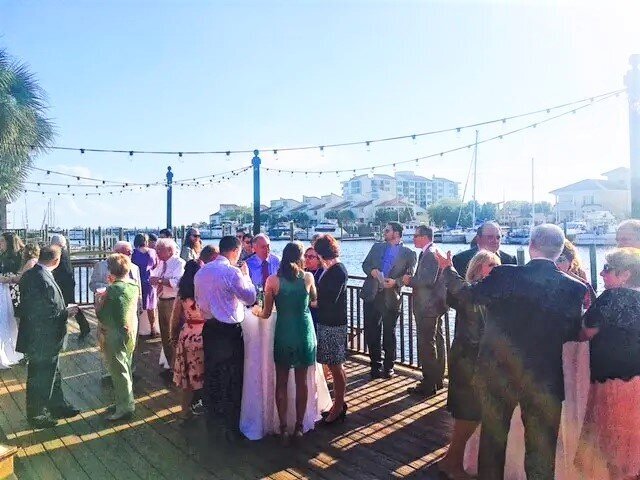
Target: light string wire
x,y
444,152
127,189
275,150
112,183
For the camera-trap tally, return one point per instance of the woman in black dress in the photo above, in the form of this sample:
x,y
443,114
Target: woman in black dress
x,y
332,322
462,399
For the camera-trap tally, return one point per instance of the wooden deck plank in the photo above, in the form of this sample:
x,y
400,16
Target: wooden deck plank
x,y
388,434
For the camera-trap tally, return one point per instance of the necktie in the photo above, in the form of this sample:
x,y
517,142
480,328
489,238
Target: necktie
x,y
420,257
164,269
265,272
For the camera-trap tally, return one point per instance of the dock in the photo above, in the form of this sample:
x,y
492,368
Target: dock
x,y
387,433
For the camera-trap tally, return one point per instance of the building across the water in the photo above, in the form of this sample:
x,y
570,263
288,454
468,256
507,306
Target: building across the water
x,y
612,194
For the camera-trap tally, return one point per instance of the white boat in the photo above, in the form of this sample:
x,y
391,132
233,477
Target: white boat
x,y
456,235
325,228
470,234
517,236
408,230
223,229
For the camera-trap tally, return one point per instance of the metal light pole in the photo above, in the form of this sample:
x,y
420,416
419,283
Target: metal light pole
x,y
256,192
632,82
169,194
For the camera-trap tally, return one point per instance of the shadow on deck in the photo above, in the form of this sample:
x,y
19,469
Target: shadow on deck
x,y
387,433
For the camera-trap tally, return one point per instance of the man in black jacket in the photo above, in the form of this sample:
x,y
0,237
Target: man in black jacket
x,y
385,265
43,327
531,311
488,237
63,275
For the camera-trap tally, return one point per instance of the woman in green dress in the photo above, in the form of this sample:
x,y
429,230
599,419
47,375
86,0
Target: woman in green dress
x,y
116,309
293,290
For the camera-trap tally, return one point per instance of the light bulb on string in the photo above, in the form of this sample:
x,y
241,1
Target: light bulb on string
x,y
275,155
322,152
413,137
368,143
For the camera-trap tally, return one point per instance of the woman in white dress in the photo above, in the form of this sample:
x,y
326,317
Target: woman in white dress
x,y
11,249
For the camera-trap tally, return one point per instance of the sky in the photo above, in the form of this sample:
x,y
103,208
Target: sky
x,y
185,76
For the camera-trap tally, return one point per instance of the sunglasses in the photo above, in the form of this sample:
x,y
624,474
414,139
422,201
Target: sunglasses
x,y
606,268
310,256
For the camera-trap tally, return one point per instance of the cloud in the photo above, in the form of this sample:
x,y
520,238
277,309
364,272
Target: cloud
x,y
80,170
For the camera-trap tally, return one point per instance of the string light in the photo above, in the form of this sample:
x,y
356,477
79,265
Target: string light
x,y
344,144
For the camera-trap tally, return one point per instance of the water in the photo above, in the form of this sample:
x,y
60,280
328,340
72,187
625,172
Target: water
x,y
354,252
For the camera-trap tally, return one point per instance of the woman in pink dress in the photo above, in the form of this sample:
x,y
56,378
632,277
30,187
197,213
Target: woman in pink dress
x,y
186,329
610,440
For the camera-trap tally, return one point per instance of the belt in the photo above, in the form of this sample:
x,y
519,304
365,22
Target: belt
x,y
218,324
172,298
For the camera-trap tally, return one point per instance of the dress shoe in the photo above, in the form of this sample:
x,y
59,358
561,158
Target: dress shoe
x,y
376,374
388,373
64,411
440,386
422,391
123,416
42,421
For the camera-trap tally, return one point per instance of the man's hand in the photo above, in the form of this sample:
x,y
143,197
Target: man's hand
x,y
154,280
443,262
244,269
375,273
406,279
256,310
72,310
389,283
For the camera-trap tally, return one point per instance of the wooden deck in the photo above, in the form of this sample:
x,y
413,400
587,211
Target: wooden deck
x,y
387,433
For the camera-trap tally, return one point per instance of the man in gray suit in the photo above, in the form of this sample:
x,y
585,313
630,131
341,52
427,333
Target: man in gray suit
x,y
429,305
385,265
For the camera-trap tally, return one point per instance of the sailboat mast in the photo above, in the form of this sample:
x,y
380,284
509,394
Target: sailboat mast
x,y
475,176
533,201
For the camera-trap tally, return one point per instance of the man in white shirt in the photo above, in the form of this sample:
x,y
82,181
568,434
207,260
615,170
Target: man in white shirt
x,y
165,278
222,291
100,270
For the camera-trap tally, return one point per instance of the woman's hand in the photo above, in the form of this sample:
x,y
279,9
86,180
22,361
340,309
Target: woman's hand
x,y
256,310
443,262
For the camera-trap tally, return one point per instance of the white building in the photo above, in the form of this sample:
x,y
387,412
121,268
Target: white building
x,y
365,187
215,219
586,196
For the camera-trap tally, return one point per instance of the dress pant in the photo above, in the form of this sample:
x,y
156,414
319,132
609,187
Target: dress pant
x,y
540,416
165,307
44,387
431,350
224,369
118,354
379,319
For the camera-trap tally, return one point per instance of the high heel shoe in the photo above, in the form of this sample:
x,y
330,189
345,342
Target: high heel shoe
x,y
340,418
284,436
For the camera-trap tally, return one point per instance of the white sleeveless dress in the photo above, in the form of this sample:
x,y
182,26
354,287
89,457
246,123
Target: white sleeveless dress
x,y
8,330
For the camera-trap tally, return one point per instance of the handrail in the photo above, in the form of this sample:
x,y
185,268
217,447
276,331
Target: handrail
x,y
406,334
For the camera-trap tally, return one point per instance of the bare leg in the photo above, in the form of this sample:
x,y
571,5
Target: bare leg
x,y
282,378
301,395
453,461
186,397
339,391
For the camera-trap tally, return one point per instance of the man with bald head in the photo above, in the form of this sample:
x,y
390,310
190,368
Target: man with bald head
x,y
100,269
488,237
628,234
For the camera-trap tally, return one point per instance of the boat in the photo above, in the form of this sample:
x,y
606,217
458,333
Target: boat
x,y
77,234
517,236
282,231
456,235
600,229
226,227
325,228
408,230
470,234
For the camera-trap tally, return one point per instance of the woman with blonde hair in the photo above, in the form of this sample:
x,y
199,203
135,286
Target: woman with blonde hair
x,y
569,263
462,399
610,441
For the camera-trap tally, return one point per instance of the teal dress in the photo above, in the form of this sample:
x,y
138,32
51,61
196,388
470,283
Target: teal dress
x,y
295,340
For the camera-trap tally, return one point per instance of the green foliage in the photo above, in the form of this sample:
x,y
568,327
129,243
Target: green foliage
x,y
25,130
386,215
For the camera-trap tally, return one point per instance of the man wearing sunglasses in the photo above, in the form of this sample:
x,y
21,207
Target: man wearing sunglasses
x,y
385,265
488,237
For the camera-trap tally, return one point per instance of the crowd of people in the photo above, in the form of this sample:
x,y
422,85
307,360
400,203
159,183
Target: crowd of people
x,y
511,324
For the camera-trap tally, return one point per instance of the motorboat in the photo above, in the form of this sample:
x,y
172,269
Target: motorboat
x,y
517,236
329,228
456,235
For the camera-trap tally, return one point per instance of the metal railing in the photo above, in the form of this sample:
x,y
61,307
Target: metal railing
x,y
406,338
406,335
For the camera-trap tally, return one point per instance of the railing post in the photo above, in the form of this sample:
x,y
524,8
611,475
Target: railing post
x,y
594,266
520,256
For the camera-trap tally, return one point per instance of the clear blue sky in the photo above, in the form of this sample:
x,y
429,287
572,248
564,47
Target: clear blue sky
x,y
231,75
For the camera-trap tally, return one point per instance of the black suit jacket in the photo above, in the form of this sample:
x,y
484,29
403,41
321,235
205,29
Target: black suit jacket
x,y
531,311
43,324
461,260
63,275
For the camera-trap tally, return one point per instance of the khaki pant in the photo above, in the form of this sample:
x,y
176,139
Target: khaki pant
x,y
165,307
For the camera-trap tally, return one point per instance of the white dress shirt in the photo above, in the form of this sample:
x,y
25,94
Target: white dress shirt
x,y
170,276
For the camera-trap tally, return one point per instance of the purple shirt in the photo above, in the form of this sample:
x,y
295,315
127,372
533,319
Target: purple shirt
x,y
389,258
221,290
